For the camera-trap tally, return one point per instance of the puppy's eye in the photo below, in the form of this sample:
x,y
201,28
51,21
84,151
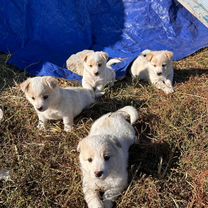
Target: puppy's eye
x,y
106,157
89,160
90,65
154,65
100,65
164,65
45,97
33,98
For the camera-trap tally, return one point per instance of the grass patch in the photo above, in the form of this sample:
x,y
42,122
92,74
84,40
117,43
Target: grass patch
x,y
169,168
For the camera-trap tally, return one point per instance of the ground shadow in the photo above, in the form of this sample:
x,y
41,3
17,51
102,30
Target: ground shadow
x,y
9,74
152,159
184,75
149,157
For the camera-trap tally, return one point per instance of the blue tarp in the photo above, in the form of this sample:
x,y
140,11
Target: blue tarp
x,y
42,34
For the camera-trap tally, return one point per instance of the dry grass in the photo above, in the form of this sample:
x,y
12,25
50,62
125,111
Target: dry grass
x,y
169,168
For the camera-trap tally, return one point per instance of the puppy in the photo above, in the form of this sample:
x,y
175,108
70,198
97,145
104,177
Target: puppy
x,y
98,72
104,157
52,102
156,68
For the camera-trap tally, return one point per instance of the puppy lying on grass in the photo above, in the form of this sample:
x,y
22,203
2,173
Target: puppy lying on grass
x,y
104,157
95,68
155,67
52,102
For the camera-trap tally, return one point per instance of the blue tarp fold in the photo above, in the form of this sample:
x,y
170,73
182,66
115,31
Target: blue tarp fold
x,y
42,34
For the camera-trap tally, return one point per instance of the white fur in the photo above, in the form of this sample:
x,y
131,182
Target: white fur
x,y
61,103
96,62
110,135
1,114
150,63
75,62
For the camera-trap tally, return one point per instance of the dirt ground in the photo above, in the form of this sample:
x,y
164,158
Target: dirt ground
x,y
169,168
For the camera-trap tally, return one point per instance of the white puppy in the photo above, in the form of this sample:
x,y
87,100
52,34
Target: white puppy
x,y
104,157
98,72
155,67
53,102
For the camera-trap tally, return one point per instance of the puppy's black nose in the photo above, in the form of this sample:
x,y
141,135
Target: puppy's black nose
x,y
98,174
96,73
40,109
159,73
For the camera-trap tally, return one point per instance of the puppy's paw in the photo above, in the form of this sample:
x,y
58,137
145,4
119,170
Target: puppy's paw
x,y
41,126
168,83
168,90
68,128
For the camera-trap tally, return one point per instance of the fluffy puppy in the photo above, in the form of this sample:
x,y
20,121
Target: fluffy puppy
x,y
155,67
104,157
98,72
52,102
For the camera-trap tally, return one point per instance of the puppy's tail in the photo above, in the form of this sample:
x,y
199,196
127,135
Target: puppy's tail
x,y
129,111
114,61
145,52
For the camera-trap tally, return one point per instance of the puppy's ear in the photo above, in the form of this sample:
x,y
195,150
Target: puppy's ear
x,y
24,86
149,56
84,58
116,142
51,82
85,55
104,55
169,54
